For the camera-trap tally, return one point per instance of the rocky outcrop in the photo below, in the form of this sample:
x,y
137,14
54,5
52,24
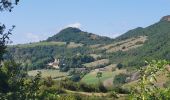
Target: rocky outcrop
x,y
166,18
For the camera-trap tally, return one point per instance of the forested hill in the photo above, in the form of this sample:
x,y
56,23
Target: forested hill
x,y
76,35
160,27
157,45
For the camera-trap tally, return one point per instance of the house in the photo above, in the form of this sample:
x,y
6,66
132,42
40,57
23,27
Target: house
x,y
54,64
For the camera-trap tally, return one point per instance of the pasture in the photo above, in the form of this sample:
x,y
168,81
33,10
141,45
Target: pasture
x,y
48,73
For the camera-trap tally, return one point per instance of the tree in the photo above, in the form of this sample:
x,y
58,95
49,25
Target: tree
x,y
11,81
119,79
99,75
146,89
4,36
7,4
119,65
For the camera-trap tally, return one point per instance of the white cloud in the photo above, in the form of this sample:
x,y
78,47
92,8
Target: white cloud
x,y
74,25
33,37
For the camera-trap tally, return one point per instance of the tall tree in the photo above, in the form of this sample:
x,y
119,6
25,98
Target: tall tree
x,y
99,75
5,5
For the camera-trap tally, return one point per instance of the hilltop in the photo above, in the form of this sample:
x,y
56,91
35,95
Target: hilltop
x,y
71,34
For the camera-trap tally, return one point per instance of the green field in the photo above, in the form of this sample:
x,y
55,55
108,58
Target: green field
x,y
48,72
92,79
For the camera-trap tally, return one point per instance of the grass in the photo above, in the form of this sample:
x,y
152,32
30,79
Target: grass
x,y
48,72
97,63
87,93
91,78
40,44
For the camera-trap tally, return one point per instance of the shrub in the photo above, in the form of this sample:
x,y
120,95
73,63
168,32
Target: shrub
x,y
119,66
119,79
146,88
75,78
123,47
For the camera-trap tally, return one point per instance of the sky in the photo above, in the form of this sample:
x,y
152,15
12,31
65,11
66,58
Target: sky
x,y
37,20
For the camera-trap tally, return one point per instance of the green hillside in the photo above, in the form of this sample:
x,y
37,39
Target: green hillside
x,y
76,35
157,45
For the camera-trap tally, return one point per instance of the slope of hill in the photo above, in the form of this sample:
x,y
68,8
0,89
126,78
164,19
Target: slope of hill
x,y
157,45
76,35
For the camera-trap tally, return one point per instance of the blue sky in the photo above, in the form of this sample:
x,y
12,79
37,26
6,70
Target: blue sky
x,y
38,19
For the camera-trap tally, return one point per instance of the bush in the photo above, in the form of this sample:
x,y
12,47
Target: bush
x,y
120,79
123,47
88,88
75,78
102,88
119,66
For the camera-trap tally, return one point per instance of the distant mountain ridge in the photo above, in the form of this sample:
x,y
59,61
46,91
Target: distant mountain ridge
x,y
71,34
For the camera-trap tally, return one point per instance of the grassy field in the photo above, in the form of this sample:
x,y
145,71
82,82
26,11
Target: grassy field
x,y
107,77
40,44
97,63
48,72
92,79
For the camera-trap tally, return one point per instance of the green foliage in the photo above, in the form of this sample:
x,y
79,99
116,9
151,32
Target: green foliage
x,y
75,61
4,39
156,47
38,56
99,75
113,94
119,79
76,35
15,84
11,76
119,66
80,86
7,4
146,89
75,77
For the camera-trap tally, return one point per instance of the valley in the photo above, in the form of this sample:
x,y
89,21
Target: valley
x,y
102,52
84,50
77,57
